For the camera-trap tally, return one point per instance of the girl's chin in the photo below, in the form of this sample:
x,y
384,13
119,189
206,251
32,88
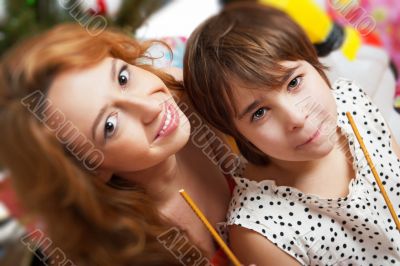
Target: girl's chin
x,y
321,153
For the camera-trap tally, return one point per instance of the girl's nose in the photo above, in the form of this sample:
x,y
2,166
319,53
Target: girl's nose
x,y
294,117
145,107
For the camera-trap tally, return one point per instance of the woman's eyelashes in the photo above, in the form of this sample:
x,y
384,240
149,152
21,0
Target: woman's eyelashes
x,y
110,126
295,83
123,76
111,123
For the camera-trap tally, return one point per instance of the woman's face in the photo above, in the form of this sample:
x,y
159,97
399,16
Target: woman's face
x,y
126,112
294,123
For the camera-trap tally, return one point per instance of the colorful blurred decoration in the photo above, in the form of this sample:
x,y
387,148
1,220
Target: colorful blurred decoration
x,y
127,14
386,14
177,45
103,7
326,35
21,18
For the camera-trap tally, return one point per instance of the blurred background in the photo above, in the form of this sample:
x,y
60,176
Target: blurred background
x,y
356,39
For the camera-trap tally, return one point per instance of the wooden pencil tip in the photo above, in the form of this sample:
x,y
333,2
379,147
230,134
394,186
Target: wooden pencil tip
x,y
181,190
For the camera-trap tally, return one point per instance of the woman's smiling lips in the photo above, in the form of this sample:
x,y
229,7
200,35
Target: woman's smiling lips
x,y
169,121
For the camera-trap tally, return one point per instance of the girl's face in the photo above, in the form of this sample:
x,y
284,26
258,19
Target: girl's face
x,y
126,112
294,123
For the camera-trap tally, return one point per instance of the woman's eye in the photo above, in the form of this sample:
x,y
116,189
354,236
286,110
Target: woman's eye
x,y
258,114
111,125
123,76
294,83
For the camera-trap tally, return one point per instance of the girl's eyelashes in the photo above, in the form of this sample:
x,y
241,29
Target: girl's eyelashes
x,y
123,76
294,83
110,126
260,113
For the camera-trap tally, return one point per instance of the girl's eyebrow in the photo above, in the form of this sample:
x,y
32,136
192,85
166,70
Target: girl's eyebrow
x,y
291,71
256,102
249,108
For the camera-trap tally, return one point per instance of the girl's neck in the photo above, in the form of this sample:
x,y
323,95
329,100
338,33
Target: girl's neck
x,y
299,169
329,178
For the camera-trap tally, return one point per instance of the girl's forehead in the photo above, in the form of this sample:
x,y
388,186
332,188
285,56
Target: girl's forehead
x,y
244,86
269,77
241,97
243,93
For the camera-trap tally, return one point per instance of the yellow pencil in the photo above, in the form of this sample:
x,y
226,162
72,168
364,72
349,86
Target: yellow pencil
x,y
371,165
210,228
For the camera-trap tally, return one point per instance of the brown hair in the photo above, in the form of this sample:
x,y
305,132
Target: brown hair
x,y
93,223
243,44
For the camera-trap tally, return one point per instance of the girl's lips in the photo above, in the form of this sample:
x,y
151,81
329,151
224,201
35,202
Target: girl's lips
x,y
169,122
311,139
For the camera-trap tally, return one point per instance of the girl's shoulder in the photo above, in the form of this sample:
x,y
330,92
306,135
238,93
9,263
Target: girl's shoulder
x,y
350,97
346,88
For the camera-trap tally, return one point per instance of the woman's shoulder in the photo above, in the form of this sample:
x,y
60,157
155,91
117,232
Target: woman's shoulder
x,y
175,72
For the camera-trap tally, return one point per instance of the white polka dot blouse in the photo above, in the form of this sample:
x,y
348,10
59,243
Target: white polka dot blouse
x,y
355,230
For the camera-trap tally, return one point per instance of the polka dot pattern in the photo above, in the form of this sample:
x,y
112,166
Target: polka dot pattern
x,y
354,230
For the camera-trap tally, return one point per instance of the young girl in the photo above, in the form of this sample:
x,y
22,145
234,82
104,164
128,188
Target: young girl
x,y
304,194
98,149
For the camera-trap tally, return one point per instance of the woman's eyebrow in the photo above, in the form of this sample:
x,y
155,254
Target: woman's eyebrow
x,y
97,120
113,67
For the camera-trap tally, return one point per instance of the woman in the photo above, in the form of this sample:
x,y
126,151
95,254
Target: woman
x,y
98,149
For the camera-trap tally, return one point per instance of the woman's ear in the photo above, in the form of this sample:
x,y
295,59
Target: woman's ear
x,y
175,72
104,175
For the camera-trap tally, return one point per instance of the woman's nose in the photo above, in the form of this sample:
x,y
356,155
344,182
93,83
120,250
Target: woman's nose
x,y
145,107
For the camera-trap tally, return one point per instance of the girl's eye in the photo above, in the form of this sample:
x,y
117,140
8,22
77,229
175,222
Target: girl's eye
x,y
123,76
294,83
110,126
260,113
